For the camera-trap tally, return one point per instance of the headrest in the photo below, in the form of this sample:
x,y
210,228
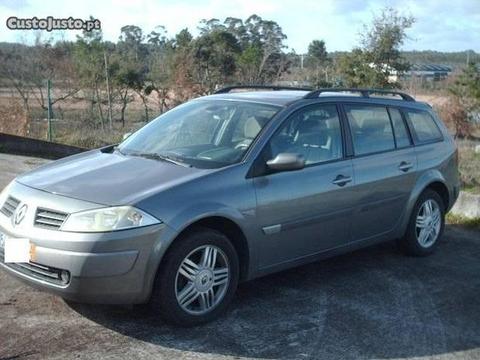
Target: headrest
x,y
252,128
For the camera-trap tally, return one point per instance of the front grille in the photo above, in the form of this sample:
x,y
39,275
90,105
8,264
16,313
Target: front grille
x,y
40,272
9,206
49,219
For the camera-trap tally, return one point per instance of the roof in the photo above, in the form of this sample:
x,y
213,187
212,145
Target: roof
x,y
430,67
282,98
286,97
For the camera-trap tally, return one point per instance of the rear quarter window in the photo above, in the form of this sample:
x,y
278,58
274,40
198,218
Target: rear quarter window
x,y
423,125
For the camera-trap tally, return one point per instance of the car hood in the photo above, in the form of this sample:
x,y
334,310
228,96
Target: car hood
x,y
108,178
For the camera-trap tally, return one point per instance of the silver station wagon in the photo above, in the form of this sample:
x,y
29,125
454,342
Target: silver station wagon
x,y
229,187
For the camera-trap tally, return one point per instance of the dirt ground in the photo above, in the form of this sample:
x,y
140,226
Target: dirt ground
x,y
373,303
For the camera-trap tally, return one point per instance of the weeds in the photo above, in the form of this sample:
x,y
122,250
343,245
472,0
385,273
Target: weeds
x,y
462,220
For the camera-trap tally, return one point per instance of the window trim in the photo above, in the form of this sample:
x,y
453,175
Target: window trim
x,y
407,129
416,140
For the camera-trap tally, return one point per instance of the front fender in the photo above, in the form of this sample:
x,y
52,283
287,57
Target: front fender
x,y
190,215
182,221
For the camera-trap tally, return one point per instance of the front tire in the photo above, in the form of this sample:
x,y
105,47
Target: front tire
x,y
426,225
197,279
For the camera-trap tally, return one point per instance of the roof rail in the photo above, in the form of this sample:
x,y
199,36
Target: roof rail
x,y
227,89
363,92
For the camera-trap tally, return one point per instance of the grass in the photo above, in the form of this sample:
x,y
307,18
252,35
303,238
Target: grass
x,y
462,220
469,166
471,189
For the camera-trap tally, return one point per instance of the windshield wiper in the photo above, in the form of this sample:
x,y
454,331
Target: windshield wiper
x,y
161,157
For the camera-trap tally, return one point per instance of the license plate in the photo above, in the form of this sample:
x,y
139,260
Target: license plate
x,y
16,250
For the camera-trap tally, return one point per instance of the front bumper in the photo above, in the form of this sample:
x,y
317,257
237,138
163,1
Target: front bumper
x,y
109,268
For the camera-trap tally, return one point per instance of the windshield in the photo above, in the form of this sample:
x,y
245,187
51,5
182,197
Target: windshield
x,y
202,133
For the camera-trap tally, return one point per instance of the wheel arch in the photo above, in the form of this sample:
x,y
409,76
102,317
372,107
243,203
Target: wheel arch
x,y
430,180
441,189
225,225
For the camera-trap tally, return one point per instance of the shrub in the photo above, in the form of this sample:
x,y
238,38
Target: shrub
x,y
455,116
13,119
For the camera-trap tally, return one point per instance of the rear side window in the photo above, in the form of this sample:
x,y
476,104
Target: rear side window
x,y
401,134
371,129
423,126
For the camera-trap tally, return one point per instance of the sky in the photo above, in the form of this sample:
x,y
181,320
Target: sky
x,y
440,25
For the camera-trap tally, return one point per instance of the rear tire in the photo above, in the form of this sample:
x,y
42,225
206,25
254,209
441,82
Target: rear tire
x,y
426,225
197,278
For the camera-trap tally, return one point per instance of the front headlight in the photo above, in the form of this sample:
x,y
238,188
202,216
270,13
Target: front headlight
x,y
108,219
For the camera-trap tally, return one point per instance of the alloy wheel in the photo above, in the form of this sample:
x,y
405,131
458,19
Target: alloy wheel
x,y
428,223
202,280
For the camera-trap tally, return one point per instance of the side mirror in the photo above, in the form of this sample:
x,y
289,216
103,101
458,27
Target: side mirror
x,y
126,135
286,162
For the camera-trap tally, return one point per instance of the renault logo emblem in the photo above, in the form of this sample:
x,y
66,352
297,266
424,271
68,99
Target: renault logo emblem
x,y
20,214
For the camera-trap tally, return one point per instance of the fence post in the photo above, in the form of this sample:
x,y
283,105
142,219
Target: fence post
x,y
109,95
49,111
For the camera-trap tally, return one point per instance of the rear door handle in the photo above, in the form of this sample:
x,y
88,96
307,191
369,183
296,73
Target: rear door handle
x,y
405,166
341,180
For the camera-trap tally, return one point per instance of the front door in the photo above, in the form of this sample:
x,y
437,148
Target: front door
x,y
306,211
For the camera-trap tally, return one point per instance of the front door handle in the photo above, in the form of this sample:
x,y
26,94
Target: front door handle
x,y
341,180
405,166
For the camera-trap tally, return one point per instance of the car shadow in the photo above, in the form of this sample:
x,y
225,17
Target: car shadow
x,y
373,303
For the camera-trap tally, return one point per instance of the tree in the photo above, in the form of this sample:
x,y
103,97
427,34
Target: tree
x,y
258,52
89,52
131,41
158,38
268,37
215,55
467,86
317,52
356,71
379,58
183,39
465,92
317,62
161,62
27,68
132,55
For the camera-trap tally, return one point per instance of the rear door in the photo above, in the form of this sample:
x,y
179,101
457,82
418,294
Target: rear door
x,y
306,211
384,165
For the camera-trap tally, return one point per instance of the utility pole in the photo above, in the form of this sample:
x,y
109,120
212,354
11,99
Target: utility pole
x,y
49,111
109,96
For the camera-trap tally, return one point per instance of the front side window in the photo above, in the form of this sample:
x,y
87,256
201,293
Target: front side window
x,y
423,125
202,133
313,132
371,129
